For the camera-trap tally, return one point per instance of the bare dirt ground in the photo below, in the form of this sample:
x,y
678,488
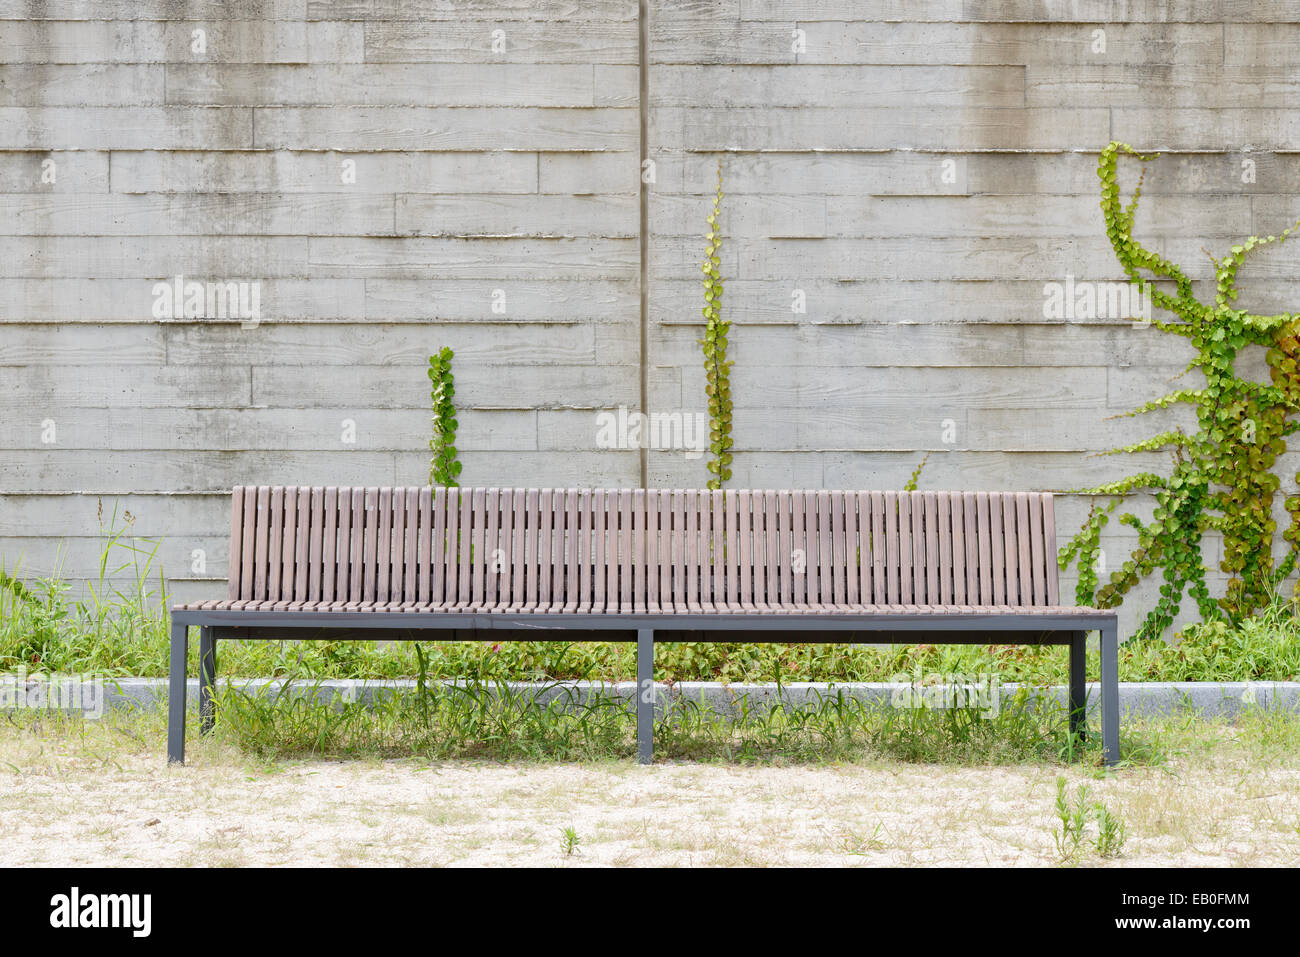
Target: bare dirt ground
x,y
106,797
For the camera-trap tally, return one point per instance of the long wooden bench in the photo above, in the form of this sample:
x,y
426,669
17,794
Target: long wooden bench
x,y
642,565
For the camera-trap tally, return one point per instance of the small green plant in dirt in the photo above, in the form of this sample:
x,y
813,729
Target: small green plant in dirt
x,y
717,368
1222,477
569,841
444,467
1073,835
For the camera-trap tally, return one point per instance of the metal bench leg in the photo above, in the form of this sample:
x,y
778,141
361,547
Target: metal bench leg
x,y
645,695
1110,692
176,694
207,678
1079,683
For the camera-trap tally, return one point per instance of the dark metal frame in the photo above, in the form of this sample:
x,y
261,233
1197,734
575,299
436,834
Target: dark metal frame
x,y
1031,628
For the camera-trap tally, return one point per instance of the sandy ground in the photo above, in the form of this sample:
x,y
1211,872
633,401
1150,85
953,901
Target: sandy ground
x,y
90,801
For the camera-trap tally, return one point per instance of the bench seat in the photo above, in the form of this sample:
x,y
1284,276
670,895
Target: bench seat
x,y
331,607
642,565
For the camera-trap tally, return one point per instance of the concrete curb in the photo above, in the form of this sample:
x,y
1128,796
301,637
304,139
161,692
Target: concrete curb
x,y
1221,699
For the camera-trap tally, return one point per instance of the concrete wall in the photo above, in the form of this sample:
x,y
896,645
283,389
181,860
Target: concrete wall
x,y
914,172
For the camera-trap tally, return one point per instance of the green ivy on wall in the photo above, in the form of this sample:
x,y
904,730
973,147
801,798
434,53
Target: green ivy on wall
x,y
1222,475
717,368
444,468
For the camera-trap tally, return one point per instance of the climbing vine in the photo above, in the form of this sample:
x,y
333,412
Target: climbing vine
x,y
1222,475
444,468
717,368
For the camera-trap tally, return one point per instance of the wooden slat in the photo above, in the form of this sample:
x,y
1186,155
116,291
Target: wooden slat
x,y
1036,549
424,572
464,546
599,545
930,507
1049,535
572,554
410,544
275,546
731,549
958,548
478,546
639,591
438,584
997,550
802,565
772,571
879,551
586,550
261,535
315,548
785,532
860,505
682,573
944,503
917,504
296,585
753,551
383,544
972,548
892,548
984,535
330,545
1011,549
825,552
358,540
906,575
1024,559
545,515
492,551
234,574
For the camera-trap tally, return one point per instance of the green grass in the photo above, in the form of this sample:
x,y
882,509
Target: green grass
x,y
487,720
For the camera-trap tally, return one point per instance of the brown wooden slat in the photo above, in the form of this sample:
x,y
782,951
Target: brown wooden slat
x,y
879,551
234,575
785,532
906,577
438,584
330,545
358,542
892,548
599,545
930,508
997,550
1024,558
586,550
572,554
749,507
969,510
383,544
800,562
772,572
859,506
275,544
261,535
639,590
410,507
1049,530
424,571
1011,549
984,535
545,515
1036,551
315,547
958,548
518,531
917,504
825,574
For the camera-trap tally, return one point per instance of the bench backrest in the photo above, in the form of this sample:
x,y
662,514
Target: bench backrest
x,y
593,548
